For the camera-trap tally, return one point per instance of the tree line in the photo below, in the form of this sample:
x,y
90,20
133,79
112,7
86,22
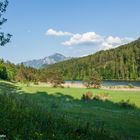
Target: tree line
x,y
20,73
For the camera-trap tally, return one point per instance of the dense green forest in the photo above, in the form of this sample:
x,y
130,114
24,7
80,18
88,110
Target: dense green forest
x,y
121,63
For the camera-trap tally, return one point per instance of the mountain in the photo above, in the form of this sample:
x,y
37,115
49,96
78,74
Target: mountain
x,y
55,58
121,63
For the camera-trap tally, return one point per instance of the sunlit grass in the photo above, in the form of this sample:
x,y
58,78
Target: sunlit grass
x,y
115,96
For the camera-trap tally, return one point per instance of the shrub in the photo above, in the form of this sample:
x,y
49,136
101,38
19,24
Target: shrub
x,y
88,96
96,97
94,81
102,96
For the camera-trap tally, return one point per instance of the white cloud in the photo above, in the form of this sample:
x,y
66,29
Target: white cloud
x,y
106,46
53,32
90,39
93,39
113,40
83,39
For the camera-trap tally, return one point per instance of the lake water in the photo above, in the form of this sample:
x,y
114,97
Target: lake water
x,y
111,83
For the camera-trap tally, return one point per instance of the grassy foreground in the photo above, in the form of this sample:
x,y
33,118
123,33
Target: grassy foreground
x,y
60,114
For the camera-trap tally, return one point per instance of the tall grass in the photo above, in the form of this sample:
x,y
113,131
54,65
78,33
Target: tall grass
x,y
23,119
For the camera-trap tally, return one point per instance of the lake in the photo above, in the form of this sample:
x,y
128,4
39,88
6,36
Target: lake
x,y
110,83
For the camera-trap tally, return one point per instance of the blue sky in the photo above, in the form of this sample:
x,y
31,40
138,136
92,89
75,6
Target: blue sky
x,y
71,27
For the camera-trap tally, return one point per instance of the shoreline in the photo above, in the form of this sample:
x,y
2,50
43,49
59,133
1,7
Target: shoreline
x,y
120,80
123,88
76,85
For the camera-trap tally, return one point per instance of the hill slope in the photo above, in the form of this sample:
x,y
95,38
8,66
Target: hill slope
x,y
121,63
46,61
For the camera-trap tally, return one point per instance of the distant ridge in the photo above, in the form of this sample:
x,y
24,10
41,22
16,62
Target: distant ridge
x,y
52,59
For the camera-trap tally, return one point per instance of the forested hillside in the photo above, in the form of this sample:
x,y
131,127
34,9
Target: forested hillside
x,y
121,63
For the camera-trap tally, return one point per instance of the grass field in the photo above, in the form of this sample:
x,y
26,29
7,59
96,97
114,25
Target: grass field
x,y
121,122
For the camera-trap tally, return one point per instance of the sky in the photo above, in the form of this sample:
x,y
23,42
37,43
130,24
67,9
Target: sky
x,y
71,27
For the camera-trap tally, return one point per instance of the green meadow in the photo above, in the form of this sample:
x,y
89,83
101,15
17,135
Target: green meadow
x,y
106,117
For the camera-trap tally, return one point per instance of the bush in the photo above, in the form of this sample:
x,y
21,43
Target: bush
x,y
88,96
96,97
94,81
102,96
